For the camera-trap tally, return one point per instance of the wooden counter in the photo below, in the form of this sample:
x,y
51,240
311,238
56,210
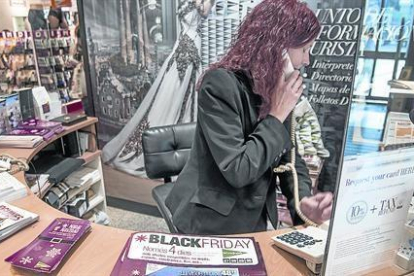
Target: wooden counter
x,y
98,252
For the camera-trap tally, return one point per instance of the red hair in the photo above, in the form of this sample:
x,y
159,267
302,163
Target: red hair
x,y
272,26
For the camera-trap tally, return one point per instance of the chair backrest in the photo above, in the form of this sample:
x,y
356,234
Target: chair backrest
x,y
167,149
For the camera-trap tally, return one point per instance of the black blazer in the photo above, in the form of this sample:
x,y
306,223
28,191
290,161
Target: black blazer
x,y
228,182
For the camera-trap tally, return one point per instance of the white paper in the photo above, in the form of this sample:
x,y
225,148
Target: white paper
x,y
372,204
192,250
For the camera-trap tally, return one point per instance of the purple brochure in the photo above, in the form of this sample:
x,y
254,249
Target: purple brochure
x,y
120,262
44,133
55,127
46,252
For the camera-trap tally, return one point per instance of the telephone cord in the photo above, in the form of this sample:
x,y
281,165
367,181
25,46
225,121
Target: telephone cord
x,y
290,167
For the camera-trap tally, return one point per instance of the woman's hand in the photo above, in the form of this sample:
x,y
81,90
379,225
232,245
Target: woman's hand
x,y
286,96
317,208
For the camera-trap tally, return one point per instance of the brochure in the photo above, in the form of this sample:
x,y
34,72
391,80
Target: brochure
x,y
13,218
149,253
47,251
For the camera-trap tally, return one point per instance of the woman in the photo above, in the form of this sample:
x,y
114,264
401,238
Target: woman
x,y
172,97
242,130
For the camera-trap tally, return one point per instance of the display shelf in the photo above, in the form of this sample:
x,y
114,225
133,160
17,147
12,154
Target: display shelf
x,y
90,156
44,189
92,160
73,192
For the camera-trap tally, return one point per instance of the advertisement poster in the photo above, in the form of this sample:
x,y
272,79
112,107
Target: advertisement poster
x,y
372,203
160,254
331,76
146,57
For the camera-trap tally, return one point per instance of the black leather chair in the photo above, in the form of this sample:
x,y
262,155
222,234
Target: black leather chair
x,y
166,151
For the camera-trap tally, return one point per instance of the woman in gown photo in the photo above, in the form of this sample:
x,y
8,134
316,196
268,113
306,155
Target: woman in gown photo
x,y
172,98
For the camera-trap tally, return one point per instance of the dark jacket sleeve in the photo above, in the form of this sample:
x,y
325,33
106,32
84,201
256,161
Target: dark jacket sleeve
x,y
287,185
241,160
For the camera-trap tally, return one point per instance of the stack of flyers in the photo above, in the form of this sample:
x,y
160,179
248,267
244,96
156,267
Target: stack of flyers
x,y
47,251
159,254
55,127
44,133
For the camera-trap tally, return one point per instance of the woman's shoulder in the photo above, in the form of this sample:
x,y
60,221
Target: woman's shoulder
x,y
224,76
224,84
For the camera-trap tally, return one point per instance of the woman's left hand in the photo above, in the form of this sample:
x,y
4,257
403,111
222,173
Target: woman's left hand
x,y
317,208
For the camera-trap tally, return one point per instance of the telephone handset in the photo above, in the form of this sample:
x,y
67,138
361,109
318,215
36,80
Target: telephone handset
x,y
7,163
288,69
290,167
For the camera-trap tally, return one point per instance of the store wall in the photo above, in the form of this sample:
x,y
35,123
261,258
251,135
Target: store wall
x,y
10,9
6,18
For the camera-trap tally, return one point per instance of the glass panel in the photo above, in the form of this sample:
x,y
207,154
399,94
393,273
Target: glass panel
x,y
401,64
379,152
397,18
369,38
383,73
363,78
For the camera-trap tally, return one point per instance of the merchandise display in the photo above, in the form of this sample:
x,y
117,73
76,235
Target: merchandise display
x,y
17,62
53,58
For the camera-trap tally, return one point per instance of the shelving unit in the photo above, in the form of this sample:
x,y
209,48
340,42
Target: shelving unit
x,y
92,159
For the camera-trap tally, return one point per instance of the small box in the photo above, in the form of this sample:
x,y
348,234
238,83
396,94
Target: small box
x,y
3,116
27,107
73,107
13,113
57,195
78,206
70,119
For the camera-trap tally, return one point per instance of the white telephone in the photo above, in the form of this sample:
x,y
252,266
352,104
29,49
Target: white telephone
x,y
308,243
8,163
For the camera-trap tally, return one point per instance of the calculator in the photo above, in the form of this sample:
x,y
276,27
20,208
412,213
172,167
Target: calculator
x,y
308,243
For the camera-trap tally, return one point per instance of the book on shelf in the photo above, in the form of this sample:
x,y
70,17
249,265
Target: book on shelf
x,y
83,176
47,251
36,181
147,253
11,188
16,141
13,218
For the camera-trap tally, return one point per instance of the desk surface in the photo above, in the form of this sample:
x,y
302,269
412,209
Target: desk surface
x,y
97,254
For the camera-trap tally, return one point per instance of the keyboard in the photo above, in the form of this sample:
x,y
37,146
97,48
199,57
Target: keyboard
x,y
308,243
11,188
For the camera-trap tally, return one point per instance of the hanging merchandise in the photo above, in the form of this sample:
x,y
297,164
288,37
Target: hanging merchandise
x,y
53,58
17,62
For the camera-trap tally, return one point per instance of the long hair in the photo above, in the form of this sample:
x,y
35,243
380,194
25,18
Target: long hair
x,y
272,27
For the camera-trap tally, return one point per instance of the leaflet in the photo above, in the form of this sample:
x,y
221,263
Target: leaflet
x,y
149,253
47,251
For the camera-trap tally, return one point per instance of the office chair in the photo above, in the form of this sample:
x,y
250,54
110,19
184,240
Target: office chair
x,y
166,151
